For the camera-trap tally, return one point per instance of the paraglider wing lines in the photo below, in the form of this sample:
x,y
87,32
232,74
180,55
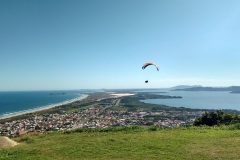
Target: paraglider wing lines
x,y
149,63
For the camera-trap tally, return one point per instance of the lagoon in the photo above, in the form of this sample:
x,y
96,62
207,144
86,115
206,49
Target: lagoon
x,y
199,99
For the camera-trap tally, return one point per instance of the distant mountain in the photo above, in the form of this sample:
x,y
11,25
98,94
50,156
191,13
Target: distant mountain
x,y
184,87
232,89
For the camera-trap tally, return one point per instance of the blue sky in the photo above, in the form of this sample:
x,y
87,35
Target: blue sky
x,y
93,44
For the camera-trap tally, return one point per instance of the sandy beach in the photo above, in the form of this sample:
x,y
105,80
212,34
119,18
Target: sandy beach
x,y
114,95
42,108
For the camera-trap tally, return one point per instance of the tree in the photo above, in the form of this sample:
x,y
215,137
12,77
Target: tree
x,y
217,118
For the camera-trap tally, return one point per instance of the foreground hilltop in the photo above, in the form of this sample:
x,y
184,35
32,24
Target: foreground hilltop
x,y
129,143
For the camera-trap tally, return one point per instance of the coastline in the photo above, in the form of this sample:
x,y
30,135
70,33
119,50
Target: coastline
x,y
84,96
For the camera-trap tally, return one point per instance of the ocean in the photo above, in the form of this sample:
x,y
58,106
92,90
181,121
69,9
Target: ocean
x,y
21,101
199,99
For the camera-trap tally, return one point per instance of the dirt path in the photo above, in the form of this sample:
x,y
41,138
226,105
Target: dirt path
x,y
7,142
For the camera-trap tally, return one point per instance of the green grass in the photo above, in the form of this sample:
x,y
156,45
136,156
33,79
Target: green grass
x,y
180,143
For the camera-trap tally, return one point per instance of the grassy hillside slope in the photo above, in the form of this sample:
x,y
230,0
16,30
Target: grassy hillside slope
x,y
184,143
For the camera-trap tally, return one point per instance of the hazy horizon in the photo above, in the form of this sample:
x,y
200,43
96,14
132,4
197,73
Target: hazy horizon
x,y
79,89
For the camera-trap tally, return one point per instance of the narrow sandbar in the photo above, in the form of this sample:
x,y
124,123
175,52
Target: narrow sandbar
x,y
117,95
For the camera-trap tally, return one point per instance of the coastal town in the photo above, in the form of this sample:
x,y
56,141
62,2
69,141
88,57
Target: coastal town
x,y
97,116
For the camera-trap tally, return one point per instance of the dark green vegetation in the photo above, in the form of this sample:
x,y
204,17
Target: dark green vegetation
x,y
130,143
132,103
217,118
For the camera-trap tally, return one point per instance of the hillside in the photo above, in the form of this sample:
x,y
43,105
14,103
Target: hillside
x,y
179,143
234,89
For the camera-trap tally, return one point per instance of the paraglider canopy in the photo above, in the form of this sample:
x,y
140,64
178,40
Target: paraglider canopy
x,y
148,64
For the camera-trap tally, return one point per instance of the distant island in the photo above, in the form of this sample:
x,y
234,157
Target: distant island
x,y
231,89
238,91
